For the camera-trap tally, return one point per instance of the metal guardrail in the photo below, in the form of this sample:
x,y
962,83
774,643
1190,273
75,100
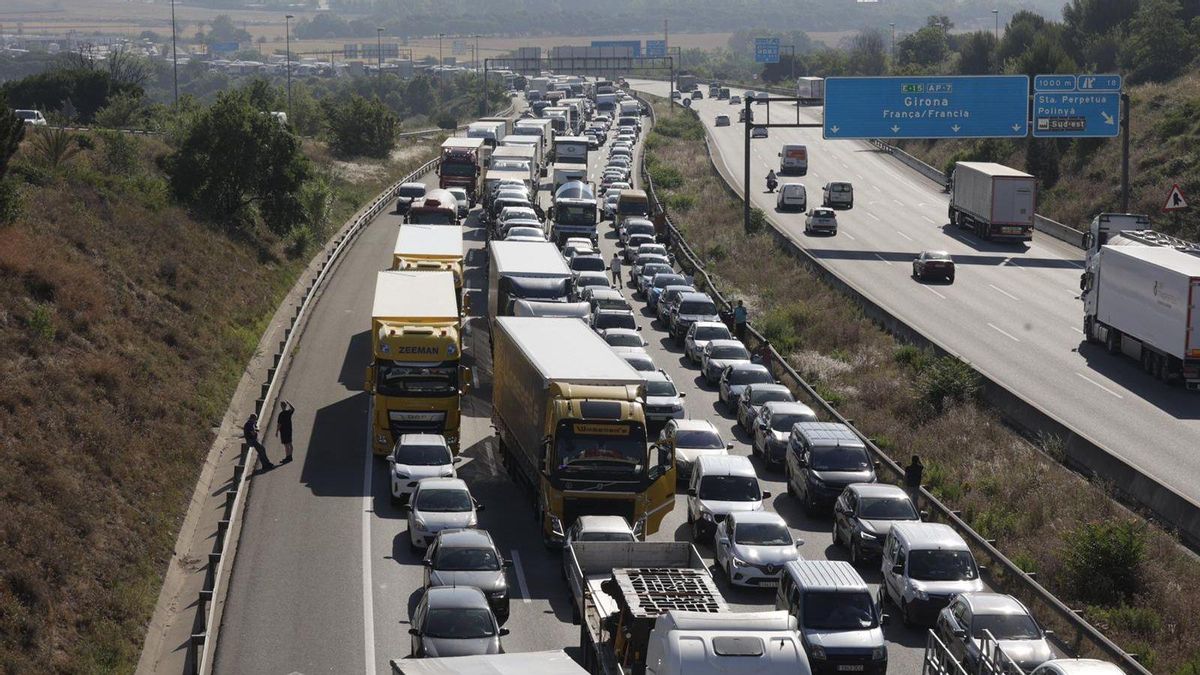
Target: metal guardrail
x,y
937,659
1013,577
202,644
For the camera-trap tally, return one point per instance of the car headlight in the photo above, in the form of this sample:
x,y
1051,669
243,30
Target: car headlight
x,y
868,535
739,563
677,405
920,594
472,521
818,652
639,529
401,476
705,515
879,653
419,522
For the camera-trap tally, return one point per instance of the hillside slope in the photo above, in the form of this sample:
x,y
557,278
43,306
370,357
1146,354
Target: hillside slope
x,y
124,328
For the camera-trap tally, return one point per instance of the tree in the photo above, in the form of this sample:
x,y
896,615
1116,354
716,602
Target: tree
x,y
1159,45
12,130
867,55
1045,55
927,47
224,30
233,159
86,90
361,127
420,95
1022,30
977,54
1084,20
782,71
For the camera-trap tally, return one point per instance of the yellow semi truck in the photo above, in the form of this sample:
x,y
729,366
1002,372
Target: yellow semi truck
x,y
431,248
570,424
415,379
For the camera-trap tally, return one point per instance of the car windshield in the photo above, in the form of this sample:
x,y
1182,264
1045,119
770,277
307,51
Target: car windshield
x,y
443,501
423,455
615,320
623,340
886,509
1005,627
584,281
839,611
612,303
941,565
587,263
605,536
412,191
459,623
937,255
729,489
654,268
726,351
698,307
703,439
459,559
641,364
664,280
762,534
750,376
785,422
839,458
839,187
660,388
711,333
761,396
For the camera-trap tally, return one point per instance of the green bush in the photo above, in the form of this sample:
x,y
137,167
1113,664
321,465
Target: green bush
x,y
41,322
913,357
1103,562
665,177
946,380
758,220
120,150
1141,621
778,325
360,127
680,202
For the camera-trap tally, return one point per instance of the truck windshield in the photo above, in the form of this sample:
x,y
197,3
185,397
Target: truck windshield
x,y
456,169
729,489
397,378
592,445
575,214
839,611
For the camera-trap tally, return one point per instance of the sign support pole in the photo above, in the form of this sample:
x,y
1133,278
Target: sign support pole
x,y
1125,153
746,176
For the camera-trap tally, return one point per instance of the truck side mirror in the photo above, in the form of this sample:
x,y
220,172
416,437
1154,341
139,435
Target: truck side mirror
x,y
414,631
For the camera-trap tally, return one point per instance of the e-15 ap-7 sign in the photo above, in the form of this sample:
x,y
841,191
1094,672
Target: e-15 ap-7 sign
x,y
983,106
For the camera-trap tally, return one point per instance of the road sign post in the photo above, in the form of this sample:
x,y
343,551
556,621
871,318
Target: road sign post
x,y
980,106
1076,106
766,50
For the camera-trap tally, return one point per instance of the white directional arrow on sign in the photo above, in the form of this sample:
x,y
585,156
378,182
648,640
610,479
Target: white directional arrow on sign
x,y
1108,119
834,128
955,128
1016,127
895,129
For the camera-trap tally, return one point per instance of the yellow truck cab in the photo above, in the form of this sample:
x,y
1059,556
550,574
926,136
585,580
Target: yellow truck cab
x,y
431,248
415,380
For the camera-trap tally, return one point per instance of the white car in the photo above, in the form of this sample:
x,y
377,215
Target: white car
x,y
623,337
463,199
663,401
524,233
31,117
791,197
753,546
439,504
599,528
419,456
700,334
820,220
637,357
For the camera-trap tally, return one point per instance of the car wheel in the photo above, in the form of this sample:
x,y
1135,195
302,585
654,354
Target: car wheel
x,y
790,490
689,517
695,532
396,501
810,504
856,556
574,612
412,545
906,615
836,541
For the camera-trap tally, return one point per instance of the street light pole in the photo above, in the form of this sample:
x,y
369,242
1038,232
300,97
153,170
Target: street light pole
x,y
996,16
379,58
893,56
174,57
441,63
287,34
476,59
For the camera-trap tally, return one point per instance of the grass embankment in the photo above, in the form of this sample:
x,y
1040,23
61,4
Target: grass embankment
x,y
1084,176
125,326
1132,579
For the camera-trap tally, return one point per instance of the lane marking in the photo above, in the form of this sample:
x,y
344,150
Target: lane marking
x,y
904,235
1077,329
883,259
850,236
872,215
898,202
367,590
1001,331
932,220
1099,385
516,558
1003,292
933,291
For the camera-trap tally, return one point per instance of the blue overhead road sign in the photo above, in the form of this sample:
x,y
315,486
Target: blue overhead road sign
x,y
983,106
766,50
1090,108
656,48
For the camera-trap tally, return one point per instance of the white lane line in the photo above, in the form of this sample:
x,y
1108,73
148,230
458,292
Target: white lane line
x,y
883,259
516,558
1077,329
1009,262
1003,292
1100,385
849,236
871,215
932,220
904,235
367,589
933,291
875,187
898,202
1001,331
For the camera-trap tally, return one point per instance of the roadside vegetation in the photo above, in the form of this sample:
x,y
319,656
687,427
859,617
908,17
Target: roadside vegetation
x,y
135,283
1130,578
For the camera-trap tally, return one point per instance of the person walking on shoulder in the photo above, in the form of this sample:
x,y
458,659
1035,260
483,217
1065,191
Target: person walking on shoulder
x,y
615,266
250,434
740,317
912,479
283,427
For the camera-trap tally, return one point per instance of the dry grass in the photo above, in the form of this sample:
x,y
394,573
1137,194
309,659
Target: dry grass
x,y
1007,489
124,328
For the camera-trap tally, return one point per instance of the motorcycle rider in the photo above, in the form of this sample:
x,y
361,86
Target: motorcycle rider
x,y
771,181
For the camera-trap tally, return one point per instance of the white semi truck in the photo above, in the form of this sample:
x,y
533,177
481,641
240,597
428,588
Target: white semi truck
x,y
993,200
810,90
570,160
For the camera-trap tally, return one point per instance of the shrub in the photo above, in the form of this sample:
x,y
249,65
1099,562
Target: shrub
x,y
1141,621
361,127
41,322
778,325
665,177
55,146
681,202
946,380
1103,561
120,150
758,220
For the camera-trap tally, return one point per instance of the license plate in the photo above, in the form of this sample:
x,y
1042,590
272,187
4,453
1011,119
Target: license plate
x,y
851,668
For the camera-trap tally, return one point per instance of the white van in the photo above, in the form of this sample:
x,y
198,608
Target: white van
x,y
791,197
725,643
924,565
835,615
793,160
720,485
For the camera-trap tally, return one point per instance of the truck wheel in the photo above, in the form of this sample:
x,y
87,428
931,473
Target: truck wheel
x,y
1089,330
953,216
1112,341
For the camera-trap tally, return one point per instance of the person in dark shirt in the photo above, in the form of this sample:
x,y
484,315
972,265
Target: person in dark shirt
x,y
250,434
283,427
912,479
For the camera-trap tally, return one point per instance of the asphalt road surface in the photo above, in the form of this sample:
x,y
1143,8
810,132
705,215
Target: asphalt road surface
x,y
1013,311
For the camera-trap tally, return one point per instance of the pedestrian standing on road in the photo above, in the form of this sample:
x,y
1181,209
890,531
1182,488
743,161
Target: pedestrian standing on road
x,y
283,427
740,317
912,479
615,266
250,434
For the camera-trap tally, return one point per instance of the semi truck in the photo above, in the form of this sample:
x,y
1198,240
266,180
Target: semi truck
x,y
415,381
538,127
560,120
810,90
437,207
570,426
532,141
1123,228
654,607
520,270
1144,302
686,82
993,200
606,104
491,132
570,160
516,156
464,164
431,248
505,122
573,213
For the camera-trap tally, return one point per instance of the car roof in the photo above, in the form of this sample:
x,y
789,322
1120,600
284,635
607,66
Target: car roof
x,y
929,536
1084,667
683,288
630,351
757,367
621,331
825,575
604,524
696,296
413,185
769,517
878,490
442,483
708,324
594,274
994,603
422,439
829,434
657,376
465,597
788,408
769,386
607,293
726,465
725,342
695,425
465,537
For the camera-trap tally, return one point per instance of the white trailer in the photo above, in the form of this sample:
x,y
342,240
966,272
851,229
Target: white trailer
x,y
993,200
810,90
1144,302
521,663
520,270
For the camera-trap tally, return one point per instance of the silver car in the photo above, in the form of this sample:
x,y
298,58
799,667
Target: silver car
x,y
753,546
454,621
735,378
961,624
821,220
663,401
469,558
637,357
415,457
717,355
773,428
439,504
669,294
622,337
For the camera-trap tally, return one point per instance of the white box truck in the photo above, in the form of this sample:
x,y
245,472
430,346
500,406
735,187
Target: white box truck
x,y
810,90
1144,302
521,270
521,663
993,200
570,160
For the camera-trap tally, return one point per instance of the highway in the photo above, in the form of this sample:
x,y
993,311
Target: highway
x,y
324,580
1013,311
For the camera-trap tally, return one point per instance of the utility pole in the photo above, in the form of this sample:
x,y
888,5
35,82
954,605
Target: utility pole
x,y
476,55
1125,153
893,56
996,16
441,77
287,35
174,57
379,58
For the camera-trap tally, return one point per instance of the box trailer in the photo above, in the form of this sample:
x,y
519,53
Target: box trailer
x,y
555,662
995,201
810,90
520,270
